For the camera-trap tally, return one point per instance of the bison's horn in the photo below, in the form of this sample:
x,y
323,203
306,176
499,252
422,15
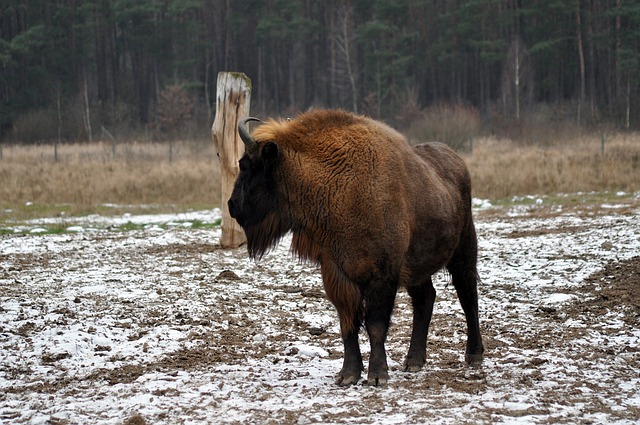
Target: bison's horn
x,y
250,144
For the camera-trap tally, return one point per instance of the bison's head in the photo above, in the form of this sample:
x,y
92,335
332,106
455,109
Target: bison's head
x,y
255,200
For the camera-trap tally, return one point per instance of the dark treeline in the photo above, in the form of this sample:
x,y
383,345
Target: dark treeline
x,y
76,67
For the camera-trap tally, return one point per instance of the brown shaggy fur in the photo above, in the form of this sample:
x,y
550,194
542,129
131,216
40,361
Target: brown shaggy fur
x,y
374,212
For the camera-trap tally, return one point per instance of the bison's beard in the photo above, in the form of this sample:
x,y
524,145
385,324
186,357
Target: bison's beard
x,y
265,235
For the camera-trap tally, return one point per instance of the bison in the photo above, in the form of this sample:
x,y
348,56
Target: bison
x,y
375,213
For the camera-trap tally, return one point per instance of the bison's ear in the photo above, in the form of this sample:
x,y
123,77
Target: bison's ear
x,y
269,152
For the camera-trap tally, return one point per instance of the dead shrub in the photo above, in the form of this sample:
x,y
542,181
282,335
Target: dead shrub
x,y
42,125
453,124
175,108
546,125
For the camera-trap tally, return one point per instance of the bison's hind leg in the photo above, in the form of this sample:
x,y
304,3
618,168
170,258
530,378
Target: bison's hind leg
x,y
464,275
422,298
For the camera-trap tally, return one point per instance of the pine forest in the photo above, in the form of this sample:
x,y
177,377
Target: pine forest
x,y
71,69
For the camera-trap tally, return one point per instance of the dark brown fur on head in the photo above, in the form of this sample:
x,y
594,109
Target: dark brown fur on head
x,y
255,203
266,188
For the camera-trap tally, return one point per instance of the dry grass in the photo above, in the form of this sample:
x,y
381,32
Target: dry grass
x,y
500,169
86,176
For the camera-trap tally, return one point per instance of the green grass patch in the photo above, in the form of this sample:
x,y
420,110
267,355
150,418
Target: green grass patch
x,y
23,219
23,228
36,230
566,199
32,211
129,227
198,224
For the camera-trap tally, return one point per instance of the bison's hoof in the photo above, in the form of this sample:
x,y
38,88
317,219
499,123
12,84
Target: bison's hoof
x,y
412,364
474,359
346,378
377,379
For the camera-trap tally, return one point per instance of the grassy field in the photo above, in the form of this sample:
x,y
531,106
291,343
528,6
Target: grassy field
x,y
95,178
156,177
500,169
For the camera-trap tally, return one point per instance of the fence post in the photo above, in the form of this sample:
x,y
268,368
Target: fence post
x,y
232,103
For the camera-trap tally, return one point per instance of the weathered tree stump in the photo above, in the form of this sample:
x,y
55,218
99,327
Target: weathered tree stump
x,y
232,103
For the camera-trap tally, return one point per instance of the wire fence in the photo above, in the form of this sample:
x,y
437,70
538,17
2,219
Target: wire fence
x,y
111,150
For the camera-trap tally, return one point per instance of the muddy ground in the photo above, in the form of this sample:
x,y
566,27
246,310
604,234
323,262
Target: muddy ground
x,y
160,325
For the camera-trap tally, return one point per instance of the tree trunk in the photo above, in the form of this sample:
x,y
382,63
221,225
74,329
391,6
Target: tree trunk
x,y
627,121
232,103
87,110
591,29
582,66
516,78
618,47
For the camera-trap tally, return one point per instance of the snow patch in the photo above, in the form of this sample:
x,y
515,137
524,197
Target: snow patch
x,y
96,326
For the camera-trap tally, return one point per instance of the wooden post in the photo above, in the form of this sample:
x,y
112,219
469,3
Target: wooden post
x,y
232,103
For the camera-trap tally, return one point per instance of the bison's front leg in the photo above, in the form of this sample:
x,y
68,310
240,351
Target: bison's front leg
x,y
379,302
352,362
347,299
